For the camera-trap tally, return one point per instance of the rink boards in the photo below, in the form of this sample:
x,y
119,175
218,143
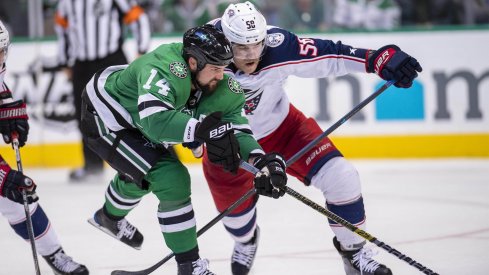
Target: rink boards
x,y
444,114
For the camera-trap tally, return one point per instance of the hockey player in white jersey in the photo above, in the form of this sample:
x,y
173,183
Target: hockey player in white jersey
x,y
13,118
264,57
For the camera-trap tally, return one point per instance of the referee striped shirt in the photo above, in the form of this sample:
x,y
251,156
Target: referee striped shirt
x,y
93,29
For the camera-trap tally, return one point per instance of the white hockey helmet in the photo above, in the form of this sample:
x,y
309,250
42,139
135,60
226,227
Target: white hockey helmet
x,y
4,43
243,24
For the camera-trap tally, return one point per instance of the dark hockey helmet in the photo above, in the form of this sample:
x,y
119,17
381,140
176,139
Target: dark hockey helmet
x,y
208,45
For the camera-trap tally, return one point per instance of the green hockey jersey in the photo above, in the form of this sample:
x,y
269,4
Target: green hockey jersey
x,y
151,95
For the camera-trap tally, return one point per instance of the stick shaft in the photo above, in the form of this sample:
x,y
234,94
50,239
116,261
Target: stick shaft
x,y
342,120
249,167
30,230
348,225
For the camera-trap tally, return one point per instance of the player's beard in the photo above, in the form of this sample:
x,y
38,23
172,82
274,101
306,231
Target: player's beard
x,y
209,87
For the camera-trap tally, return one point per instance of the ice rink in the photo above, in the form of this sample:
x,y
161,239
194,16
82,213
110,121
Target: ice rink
x,y
434,211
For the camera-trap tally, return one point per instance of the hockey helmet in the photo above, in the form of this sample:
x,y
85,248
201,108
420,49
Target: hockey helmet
x,y
208,45
243,24
4,42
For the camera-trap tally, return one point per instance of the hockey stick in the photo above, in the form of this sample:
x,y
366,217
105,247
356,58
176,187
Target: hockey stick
x,y
219,217
351,227
252,191
30,230
340,122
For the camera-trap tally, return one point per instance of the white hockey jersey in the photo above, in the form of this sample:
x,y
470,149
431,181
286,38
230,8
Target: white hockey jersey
x,y
5,94
286,54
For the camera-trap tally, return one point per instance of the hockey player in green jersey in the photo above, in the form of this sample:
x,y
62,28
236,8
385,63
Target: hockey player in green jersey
x,y
177,93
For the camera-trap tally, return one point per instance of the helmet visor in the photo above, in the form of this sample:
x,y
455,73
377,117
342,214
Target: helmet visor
x,y
249,51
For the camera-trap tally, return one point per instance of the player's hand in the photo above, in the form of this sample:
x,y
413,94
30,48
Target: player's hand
x,y
196,147
271,179
390,63
221,143
12,182
13,118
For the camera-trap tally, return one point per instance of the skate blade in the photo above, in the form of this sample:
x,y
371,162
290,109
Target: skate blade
x,y
96,225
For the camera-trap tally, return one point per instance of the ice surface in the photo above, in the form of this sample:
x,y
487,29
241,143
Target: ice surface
x,y
434,211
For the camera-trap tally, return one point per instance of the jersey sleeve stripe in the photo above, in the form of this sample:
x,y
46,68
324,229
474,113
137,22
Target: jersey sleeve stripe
x,y
349,58
149,104
151,98
146,112
245,128
114,115
153,103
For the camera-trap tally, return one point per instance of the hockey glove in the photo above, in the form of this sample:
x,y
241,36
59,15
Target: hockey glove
x,y
221,143
12,182
13,118
272,178
390,63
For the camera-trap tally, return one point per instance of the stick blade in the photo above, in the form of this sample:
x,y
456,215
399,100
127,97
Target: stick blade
x,y
123,272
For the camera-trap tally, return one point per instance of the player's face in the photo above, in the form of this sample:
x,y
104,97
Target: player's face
x,y
209,77
246,57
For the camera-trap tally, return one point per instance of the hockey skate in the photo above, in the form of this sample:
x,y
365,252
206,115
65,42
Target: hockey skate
x,y
198,267
122,230
360,262
244,255
63,264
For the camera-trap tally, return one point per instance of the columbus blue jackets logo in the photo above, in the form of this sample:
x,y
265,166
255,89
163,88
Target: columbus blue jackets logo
x,y
179,69
274,39
234,86
251,103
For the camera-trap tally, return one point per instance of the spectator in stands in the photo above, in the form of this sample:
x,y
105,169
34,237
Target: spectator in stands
x,y
476,12
368,14
302,15
180,15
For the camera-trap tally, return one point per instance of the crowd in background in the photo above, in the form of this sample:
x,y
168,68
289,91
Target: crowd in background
x,y
175,16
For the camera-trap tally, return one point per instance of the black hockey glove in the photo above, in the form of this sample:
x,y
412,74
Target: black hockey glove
x,y
13,118
12,182
272,178
390,63
221,143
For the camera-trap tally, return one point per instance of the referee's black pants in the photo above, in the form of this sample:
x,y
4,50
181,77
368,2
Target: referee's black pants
x,y
82,73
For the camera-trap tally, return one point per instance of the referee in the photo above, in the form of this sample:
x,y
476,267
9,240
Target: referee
x,y
90,37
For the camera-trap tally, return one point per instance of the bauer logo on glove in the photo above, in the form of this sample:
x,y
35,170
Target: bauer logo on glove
x,y
220,131
382,59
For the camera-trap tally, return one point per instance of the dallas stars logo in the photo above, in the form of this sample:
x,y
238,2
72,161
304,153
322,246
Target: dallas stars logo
x,y
234,86
179,69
